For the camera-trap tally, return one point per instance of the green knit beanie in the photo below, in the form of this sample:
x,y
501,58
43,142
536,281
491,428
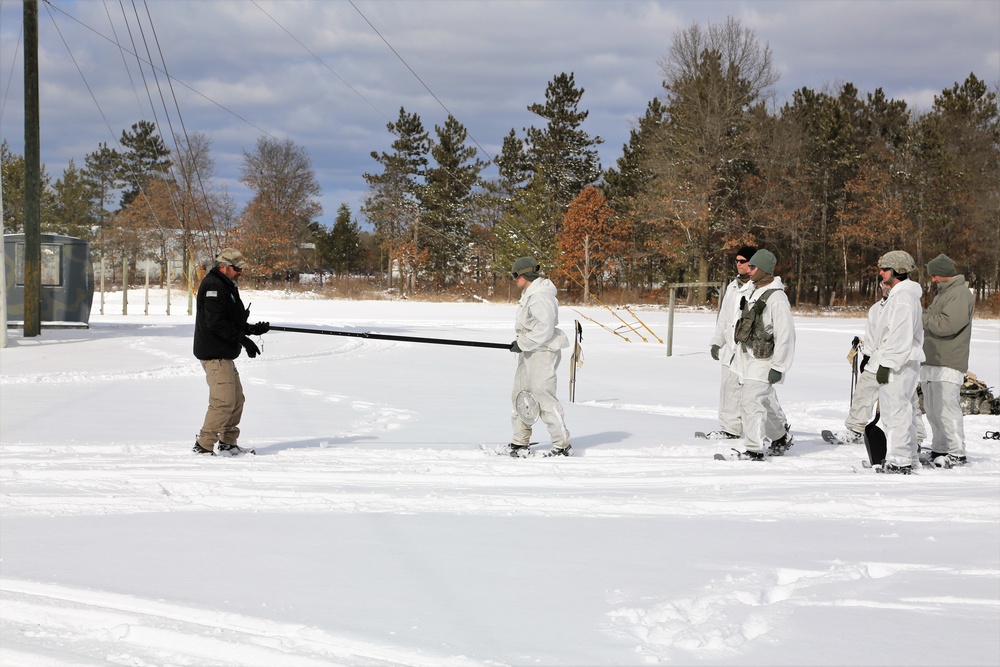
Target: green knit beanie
x,y
942,265
764,260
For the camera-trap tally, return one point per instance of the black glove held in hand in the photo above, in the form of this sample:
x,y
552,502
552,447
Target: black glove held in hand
x,y
250,347
259,329
514,347
864,362
715,352
773,376
882,375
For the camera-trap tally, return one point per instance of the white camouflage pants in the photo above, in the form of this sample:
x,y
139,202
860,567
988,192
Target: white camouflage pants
x,y
944,412
863,406
863,403
761,414
536,372
729,402
897,403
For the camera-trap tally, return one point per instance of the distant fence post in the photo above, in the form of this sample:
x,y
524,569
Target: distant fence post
x,y
124,284
190,286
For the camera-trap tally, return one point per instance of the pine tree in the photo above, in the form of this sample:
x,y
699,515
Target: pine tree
x,y
73,212
561,152
448,200
392,204
955,172
623,185
145,158
344,249
12,172
526,228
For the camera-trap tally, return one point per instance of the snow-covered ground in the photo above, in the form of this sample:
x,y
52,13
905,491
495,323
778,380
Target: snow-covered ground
x,y
371,530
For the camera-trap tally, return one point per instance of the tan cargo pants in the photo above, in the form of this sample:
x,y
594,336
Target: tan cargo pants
x,y
225,403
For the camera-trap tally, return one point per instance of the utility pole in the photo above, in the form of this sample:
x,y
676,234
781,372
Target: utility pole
x,y
3,276
32,177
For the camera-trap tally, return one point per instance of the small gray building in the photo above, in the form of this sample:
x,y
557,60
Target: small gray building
x,y
67,278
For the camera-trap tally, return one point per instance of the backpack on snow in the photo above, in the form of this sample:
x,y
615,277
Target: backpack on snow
x,y
749,331
976,398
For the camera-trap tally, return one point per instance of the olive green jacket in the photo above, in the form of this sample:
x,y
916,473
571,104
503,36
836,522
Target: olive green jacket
x,y
948,325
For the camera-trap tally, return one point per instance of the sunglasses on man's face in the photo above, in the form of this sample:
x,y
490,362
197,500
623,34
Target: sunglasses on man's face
x,y
741,261
236,269
752,267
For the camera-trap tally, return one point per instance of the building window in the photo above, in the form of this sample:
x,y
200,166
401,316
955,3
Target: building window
x,y
51,268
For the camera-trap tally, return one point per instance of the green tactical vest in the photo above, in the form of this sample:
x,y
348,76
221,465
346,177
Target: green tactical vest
x,y
749,331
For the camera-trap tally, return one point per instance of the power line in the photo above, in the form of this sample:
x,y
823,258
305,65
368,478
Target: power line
x,y
416,76
10,77
321,61
180,82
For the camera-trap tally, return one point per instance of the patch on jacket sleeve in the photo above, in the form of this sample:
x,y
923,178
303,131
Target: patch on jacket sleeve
x,y
211,293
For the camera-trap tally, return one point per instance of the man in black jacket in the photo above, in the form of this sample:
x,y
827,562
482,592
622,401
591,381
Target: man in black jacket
x,y
220,332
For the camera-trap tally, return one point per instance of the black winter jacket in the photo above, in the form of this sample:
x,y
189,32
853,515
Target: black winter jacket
x,y
220,323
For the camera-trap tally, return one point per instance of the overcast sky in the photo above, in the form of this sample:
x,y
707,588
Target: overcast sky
x,y
329,74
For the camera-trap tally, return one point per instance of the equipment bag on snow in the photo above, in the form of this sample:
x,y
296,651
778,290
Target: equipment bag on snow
x,y
976,398
749,331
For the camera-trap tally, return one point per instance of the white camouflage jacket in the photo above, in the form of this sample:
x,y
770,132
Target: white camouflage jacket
x,y
729,312
537,319
899,334
777,319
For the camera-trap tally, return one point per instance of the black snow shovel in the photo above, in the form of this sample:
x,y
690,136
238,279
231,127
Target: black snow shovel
x,y
875,440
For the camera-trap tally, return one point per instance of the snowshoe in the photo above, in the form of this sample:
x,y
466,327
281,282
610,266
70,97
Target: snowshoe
x,y
510,449
715,435
947,460
198,449
737,455
225,449
781,445
559,451
845,437
893,469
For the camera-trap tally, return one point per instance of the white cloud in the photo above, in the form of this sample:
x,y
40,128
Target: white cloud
x,y
485,61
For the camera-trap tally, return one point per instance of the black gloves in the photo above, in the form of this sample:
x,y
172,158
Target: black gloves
x,y
258,329
773,376
514,347
882,375
250,347
715,352
864,362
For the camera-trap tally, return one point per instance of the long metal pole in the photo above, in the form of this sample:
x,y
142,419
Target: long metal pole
x,y
405,339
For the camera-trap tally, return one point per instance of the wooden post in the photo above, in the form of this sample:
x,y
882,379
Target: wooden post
x,y
102,272
3,280
169,277
670,322
32,177
190,287
124,284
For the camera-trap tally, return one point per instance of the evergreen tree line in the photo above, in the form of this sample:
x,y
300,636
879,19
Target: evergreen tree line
x,y
829,181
